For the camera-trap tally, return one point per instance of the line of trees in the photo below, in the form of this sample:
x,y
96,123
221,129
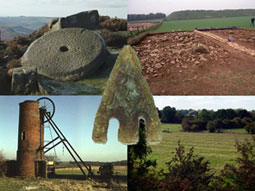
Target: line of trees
x,y
213,121
137,17
205,14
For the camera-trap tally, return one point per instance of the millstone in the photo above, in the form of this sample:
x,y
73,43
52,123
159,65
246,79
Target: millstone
x,y
67,54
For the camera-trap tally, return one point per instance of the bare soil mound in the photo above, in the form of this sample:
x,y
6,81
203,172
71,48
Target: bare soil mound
x,y
189,63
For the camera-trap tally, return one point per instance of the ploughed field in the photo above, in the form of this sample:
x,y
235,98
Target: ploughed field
x,y
199,63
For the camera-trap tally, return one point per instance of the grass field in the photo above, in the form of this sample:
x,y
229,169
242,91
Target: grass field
x,y
242,22
147,21
218,148
117,170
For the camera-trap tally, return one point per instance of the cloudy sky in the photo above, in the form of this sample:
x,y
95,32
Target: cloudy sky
x,y
168,6
75,117
61,8
206,102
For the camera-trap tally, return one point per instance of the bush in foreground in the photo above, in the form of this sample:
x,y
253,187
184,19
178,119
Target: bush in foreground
x,y
242,175
186,171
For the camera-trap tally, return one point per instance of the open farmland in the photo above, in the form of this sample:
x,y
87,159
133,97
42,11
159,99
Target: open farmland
x,y
69,179
241,22
199,63
218,148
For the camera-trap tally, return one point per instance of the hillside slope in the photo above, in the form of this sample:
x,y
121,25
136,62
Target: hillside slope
x,y
11,27
205,14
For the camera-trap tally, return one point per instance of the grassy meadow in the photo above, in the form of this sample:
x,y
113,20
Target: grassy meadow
x,y
147,21
242,22
217,148
117,170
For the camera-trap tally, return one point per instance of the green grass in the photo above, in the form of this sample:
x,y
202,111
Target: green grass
x,y
218,148
147,21
242,22
169,128
234,130
117,170
100,78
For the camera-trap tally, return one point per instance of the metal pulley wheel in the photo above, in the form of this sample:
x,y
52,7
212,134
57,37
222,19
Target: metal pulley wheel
x,y
48,105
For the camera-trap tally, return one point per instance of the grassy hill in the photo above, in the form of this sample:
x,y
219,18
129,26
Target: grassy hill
x,y
206,14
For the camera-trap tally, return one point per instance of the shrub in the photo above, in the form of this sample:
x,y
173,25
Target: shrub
x,y
193,125
250,128
238,123
211,126
3,167
114,24
240,176
185,124
246,121
229,124
214,126
139,178
186,172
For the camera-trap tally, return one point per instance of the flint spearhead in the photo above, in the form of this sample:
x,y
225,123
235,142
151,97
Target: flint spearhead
x,y
127,97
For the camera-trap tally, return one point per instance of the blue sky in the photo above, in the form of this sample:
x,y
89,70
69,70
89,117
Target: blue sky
x,y
168,6
75,117
61,8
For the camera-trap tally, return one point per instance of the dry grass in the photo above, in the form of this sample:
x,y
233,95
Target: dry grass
x,y
15,184
117,170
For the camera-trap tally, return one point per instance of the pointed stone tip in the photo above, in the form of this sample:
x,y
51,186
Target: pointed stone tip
x,y
126,97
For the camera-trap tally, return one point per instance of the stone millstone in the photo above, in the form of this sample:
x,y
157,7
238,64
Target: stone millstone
x,y
68,54
127,97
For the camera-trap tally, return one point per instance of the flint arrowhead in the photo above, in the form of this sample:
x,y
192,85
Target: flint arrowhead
x,y
127,97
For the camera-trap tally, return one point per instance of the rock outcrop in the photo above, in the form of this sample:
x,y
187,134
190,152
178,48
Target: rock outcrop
x,y
5,82
86,19
24,81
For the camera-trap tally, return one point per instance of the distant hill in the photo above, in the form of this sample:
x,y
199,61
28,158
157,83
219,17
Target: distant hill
x,y
205,14
11,27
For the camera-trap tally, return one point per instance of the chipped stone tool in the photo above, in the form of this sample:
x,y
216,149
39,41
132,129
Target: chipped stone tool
x,y
127,97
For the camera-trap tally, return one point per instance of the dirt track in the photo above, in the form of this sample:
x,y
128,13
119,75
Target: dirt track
x,y
173,65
